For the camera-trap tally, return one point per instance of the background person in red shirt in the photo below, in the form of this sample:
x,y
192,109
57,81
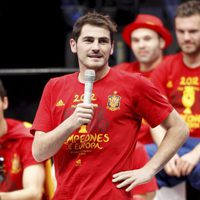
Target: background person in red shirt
x,y
178,78
147,38
21,177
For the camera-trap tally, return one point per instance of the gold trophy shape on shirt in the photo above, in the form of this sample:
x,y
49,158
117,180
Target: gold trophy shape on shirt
x,y
188,99
83,129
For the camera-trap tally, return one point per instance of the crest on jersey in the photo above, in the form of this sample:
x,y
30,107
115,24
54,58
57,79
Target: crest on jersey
x,y
113,102
16,165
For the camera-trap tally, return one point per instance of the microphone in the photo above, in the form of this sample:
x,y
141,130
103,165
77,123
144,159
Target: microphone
x,y
89,78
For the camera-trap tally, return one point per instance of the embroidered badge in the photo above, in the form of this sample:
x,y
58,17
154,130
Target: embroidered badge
x,y
15,165
169,84
113,102
60,103
78,163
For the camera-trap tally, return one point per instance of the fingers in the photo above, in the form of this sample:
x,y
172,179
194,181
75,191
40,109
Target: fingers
x,y
83,114
185,168
130,179
126,179
171,167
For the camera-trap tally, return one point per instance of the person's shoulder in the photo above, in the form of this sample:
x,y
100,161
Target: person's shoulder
x,y
127,66
18,129
60,80
172,57
125,75
64,77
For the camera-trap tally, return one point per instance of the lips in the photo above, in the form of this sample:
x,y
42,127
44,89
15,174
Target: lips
x,y
95,56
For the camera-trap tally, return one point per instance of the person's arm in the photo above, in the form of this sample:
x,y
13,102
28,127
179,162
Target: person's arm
x,y
157,134
171,168
176,134
45,145
33,185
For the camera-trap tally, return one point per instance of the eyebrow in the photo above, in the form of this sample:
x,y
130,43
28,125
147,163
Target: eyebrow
x,y
91,37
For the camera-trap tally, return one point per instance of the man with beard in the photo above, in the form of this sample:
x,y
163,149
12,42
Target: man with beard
x,y
92,144
178,78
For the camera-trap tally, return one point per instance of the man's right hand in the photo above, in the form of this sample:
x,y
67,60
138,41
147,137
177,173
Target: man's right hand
x,y
82,115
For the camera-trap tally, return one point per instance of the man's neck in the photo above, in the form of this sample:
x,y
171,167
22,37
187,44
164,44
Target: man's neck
x,y
3,127
146,67
99,73
192,61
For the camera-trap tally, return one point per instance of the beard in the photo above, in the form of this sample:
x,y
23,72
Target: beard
x,y
190,49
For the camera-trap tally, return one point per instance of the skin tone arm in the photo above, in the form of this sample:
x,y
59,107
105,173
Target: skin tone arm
x,y
33,185
177,166
176,134
46,145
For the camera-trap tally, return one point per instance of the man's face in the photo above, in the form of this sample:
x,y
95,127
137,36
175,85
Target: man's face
x,y
146,45
93,47
188,34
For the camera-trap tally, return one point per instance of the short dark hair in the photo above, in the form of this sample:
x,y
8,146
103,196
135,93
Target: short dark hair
x,y
3,92
188,9
96,19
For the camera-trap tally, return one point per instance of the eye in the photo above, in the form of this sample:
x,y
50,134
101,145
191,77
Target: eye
x,y
88,40
134,40
147,38
103,41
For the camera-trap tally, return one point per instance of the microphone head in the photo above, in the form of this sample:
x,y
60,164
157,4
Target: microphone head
x,y
89,75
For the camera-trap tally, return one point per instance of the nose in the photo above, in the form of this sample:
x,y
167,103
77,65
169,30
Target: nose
x,y
95,46
186,36
141,44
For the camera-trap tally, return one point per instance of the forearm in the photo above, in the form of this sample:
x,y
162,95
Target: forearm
x,y
157,133
24,194
172,141
46,145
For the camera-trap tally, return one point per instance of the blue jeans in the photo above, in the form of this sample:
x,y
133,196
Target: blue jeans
x,y
169,181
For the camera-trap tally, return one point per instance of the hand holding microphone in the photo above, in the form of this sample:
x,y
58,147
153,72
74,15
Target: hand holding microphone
x,y
84,111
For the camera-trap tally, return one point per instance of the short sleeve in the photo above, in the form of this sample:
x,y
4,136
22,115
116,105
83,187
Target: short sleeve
x,y
151,104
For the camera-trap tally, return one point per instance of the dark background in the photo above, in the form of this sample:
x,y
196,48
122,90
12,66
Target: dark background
x,y
35,34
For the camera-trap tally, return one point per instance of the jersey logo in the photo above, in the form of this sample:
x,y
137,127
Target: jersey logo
x,y
113,103
60,103
16,165
169,84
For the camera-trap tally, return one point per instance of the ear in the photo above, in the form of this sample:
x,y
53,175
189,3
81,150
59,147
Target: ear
x,y
162,43
5,103
73,45
112,48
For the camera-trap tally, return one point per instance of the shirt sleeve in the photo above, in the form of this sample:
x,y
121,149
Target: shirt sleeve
x,y
151,104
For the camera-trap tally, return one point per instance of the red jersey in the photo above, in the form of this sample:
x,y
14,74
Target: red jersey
x,y
133,67
85,163
181,85
15,150
144,135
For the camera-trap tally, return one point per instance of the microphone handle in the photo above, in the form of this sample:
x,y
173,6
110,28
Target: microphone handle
x,y
88,92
